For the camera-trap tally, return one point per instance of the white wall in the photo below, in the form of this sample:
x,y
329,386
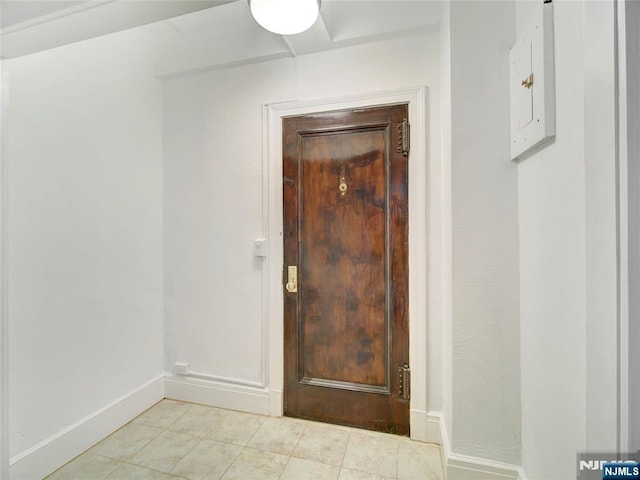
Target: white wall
x,y
568,254
485,409
85,242
214,305
213,213
552,271
601,171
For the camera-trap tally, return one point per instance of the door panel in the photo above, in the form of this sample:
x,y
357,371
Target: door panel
x,y
345,211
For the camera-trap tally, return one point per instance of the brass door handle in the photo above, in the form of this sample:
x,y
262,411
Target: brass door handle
x,y
292,279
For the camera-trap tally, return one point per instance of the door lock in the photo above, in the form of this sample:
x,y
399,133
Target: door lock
x,y
292,279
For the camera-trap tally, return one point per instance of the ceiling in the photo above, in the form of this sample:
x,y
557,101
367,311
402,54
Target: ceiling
x,y
14,12
183,27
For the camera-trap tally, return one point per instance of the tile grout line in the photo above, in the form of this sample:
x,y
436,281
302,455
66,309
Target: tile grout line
x,y
144,468
242,449
165,429
162,429
255,433
180,417
344,455
172,432
125,459
232,461
304,429
206,437
130,461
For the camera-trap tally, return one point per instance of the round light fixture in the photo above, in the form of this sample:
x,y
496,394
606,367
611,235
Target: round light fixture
x,y
285,17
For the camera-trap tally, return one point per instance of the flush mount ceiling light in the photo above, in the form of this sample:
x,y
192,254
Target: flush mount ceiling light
x,y
285,17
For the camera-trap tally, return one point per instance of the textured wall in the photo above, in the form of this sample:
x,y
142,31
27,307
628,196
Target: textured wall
x,y
85,231
553,270
485,317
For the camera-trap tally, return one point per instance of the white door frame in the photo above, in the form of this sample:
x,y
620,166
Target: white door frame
x,y
273,198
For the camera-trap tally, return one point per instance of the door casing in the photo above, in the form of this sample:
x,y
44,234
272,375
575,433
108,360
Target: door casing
x,y
418,184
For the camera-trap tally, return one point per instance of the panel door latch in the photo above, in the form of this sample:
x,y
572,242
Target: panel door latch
x,y
404,382
527,82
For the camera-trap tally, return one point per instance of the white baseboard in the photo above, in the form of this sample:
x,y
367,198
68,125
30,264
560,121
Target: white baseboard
x,y
434,432
50,454
425,426
418,425
276,404
233,396
464,467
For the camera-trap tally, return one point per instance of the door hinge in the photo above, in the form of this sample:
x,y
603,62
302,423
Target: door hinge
x,y
404,130
404,382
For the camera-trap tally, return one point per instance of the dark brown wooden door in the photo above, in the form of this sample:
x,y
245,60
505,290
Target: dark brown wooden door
x,y
345,228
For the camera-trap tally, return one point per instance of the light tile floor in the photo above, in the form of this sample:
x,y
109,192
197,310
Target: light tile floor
x,y
183,441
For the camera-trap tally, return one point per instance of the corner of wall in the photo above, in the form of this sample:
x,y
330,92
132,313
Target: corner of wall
x,y
4,400
465,467
446,222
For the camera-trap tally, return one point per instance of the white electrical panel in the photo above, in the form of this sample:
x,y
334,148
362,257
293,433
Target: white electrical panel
x,y
532,83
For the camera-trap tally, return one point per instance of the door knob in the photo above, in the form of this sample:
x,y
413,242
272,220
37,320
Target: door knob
x,y
292,279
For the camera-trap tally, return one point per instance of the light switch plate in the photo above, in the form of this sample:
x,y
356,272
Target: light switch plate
x,y
532,84
260,247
